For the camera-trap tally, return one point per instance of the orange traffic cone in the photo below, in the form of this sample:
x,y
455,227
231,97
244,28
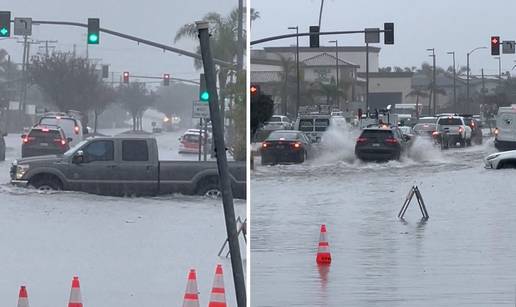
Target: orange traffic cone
x,y
23,300
323,252
75,294
191,298
218,296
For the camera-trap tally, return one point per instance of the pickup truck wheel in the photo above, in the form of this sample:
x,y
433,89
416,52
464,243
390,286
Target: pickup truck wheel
x,y
209,189
46,183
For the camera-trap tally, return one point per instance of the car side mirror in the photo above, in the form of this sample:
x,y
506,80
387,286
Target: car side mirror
x,y
406,137
179,139
23,136
69,140
78,157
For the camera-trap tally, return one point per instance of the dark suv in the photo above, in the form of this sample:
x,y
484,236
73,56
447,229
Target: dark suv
x,y
380,144
476,129
44,140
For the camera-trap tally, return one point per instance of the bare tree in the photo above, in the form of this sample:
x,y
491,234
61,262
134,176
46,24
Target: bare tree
x,y
135,98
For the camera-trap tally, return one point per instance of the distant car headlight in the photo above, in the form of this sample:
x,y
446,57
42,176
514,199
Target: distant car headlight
x,y
21,169
491,157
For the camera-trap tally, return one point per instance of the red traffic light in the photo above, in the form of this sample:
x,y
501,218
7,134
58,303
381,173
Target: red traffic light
x,y
495,45
255,90
126,76
166,79
166,76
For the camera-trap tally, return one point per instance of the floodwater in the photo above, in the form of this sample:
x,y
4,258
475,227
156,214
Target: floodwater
x,y
463,255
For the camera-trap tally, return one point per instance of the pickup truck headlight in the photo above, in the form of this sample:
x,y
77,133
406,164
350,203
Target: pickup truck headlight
x,y
491,157
21,169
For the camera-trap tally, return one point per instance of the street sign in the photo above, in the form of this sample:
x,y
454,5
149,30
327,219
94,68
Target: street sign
x,y
508,47
372,35
22,26
200,110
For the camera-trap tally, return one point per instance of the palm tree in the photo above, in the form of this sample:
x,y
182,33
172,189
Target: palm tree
x,y
224,43
288,78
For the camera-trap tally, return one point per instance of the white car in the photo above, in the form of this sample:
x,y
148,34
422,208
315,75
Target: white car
x,y
503,159
278,122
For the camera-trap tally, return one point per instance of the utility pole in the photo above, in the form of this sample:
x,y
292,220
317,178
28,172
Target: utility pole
x,y
467,79
432,110
483,88
337,70
499,58
320,14
454,83
47,47
297,69
367,78
222,164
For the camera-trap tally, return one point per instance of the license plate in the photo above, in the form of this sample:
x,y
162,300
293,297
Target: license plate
x,y
43,144
376,145
280,146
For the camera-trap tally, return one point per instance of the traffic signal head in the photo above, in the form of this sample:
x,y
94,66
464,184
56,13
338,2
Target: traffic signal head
x,y
93,31
314,36
5,24
204,95
388,34
126,76
166,79
495,45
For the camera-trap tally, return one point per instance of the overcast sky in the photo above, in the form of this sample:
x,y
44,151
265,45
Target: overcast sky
x,y
156,20
459,25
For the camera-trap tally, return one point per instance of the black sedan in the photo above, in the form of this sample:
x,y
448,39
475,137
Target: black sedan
x,y
285,146
381,144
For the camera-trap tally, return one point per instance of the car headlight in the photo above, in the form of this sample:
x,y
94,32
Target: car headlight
x,y
21,169
491,157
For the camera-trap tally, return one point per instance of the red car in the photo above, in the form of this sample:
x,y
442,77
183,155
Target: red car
x,y
189,143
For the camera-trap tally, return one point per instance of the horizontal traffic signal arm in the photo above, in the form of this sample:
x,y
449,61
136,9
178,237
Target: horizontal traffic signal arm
x,y
136,39
272,38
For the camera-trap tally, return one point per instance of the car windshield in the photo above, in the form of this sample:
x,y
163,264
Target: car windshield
x,y
283,135
275,119
450,121
72,150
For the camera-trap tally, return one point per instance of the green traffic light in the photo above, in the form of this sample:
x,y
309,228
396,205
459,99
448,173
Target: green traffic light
x,y
93,38
205,96
4,31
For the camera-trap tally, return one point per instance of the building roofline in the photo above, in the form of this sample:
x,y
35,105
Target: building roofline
x,y
404,74
322,49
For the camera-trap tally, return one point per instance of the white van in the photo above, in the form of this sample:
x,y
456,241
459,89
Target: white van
x,y
313,125
505,132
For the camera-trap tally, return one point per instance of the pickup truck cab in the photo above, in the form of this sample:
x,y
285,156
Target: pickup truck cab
x,y
123,165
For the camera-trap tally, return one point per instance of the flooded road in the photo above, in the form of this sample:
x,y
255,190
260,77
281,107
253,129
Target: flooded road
x,y
464,255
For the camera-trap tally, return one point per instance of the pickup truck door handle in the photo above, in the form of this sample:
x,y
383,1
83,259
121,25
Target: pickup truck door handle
x,y
111,166
149,167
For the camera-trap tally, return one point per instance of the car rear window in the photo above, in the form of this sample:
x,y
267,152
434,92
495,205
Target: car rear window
x,y
377,133
321,124
424,127
67,124
275,119
135,150
306,124
194,138
277,135
450,121
44,136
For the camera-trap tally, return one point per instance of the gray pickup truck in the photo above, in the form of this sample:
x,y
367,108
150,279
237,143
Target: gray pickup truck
x,y
125,165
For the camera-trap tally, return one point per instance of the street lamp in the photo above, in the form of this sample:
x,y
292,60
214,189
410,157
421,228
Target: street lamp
x,y
433,81
467,75
337,68
454,82
297,68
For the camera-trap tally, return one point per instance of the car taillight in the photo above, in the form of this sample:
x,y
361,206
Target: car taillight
x,y
76,129
296,145
461,129
45,130
361,140
265,145
63,142
391,140
496,131
435,133
25,140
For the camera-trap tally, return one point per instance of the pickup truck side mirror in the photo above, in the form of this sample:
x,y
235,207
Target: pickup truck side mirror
x,y
23,136
406,137
69,140
78,157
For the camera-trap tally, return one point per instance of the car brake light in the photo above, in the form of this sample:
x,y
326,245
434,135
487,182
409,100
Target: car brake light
x,y
25,140
361,140
76,129
496,131
296,145
391,140
63,142
58,117
461,129
265,145
45,129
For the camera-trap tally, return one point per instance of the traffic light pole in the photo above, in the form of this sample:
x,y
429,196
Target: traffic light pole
x,y
222,163
273,38
136,39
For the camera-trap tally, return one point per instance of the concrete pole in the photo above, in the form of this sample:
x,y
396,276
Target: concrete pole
x,y
367,78
222,164
467,84
298,95
240,49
